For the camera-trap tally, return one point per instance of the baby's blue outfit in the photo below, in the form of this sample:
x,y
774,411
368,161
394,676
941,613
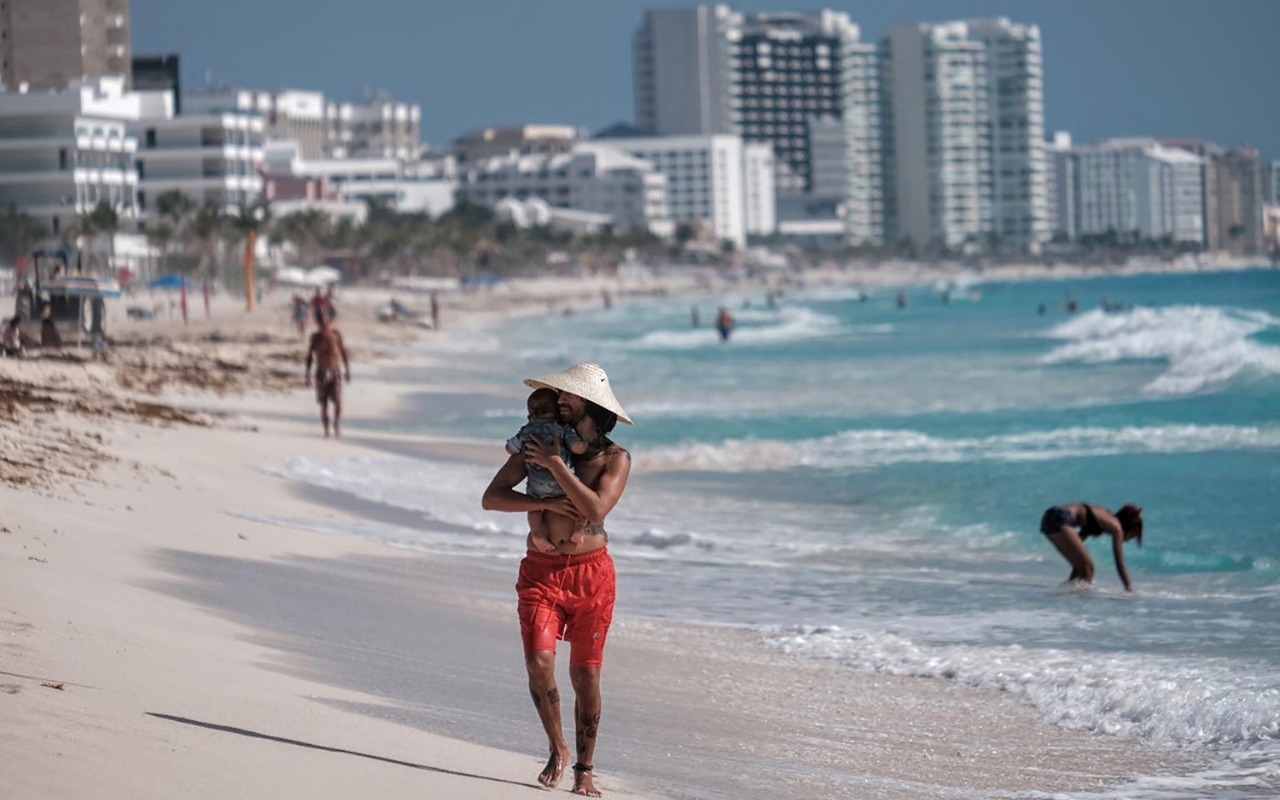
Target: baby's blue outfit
x,y
542,483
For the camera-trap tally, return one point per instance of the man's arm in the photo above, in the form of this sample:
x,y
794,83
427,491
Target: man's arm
x,y
500,494
593,504
311,351
346,365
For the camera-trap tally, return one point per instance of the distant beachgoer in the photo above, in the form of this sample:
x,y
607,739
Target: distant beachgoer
x,y
771,299
696,317
49,336
300,313
1071,305
724,323
322,305
902,299
569,594
1040,309
435,311
1069,524
327,349
545,425
11,338
607,299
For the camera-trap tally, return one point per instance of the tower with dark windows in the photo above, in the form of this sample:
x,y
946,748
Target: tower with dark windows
x,y
801,82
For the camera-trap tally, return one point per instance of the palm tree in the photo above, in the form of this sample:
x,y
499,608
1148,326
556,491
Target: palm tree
x,y
160,235
244,226
102,221
19,233
307,231
204,232
174,206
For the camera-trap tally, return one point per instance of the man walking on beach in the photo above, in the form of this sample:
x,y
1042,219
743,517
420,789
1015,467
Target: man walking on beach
x,y
326,348
569,592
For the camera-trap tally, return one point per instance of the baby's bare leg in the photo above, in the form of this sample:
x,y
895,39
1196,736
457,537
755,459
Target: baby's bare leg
x,y
538,534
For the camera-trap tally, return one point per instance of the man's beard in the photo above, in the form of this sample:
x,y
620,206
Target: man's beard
x,y
567,415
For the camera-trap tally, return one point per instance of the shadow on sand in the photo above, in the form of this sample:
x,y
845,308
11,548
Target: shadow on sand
x,y
213,726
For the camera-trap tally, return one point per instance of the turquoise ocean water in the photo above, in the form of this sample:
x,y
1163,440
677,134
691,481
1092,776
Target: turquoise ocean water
x,y
863,483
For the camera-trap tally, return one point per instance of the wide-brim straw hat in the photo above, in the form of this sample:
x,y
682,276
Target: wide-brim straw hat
x,y
587,381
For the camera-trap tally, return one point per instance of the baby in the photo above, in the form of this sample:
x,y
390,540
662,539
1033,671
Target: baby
x,y
544,424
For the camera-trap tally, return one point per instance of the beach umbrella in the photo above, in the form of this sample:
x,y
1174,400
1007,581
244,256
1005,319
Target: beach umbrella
x,y
170,281
323,275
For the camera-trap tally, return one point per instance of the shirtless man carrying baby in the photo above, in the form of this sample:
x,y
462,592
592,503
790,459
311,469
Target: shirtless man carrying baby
x,y
568,593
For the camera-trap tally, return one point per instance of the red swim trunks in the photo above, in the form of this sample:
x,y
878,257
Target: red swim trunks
x,y
567,597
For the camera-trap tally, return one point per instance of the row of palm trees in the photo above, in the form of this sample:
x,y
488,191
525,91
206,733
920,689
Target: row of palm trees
x,y
205,241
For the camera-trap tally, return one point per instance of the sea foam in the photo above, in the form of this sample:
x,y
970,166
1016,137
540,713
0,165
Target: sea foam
x,y
1203,347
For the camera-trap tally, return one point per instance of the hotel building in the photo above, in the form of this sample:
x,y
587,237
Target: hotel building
x,y
298,116
715,183
963,135
50,44
630,192
214,158
380,128
802,83
1137,186
62,153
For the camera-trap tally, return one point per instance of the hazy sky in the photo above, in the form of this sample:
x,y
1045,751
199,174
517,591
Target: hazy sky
x,y
1112,67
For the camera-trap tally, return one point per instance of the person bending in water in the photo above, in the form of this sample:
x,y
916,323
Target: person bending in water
x,y
544,424
1068,525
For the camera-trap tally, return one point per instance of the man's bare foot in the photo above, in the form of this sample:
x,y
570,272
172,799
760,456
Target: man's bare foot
x,y
582,783
550,777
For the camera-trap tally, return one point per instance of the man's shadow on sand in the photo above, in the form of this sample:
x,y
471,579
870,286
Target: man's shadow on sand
x,y
298,743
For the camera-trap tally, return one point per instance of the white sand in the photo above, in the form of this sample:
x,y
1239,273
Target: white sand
x,y
116,680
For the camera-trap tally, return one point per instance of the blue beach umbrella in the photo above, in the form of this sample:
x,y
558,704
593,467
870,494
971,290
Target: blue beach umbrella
x,y
170,281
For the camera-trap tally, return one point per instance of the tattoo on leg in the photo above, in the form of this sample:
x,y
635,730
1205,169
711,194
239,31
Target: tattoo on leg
x,y
553,698
587,728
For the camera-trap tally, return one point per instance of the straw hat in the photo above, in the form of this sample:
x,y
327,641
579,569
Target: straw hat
x,y
587,381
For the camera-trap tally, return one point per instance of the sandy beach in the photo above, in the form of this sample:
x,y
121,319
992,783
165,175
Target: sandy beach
x,y
163,633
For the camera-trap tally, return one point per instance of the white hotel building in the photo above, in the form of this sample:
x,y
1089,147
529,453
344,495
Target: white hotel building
x,y
381,128
715,182
1019,166
625,192
962,105
215,159
346,185
1136,185
295,115
323,129
62,153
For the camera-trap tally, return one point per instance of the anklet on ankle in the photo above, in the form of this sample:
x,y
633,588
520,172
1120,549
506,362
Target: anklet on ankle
x,y
580,767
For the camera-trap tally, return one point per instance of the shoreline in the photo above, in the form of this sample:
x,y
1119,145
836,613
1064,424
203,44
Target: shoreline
x,y
116,587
